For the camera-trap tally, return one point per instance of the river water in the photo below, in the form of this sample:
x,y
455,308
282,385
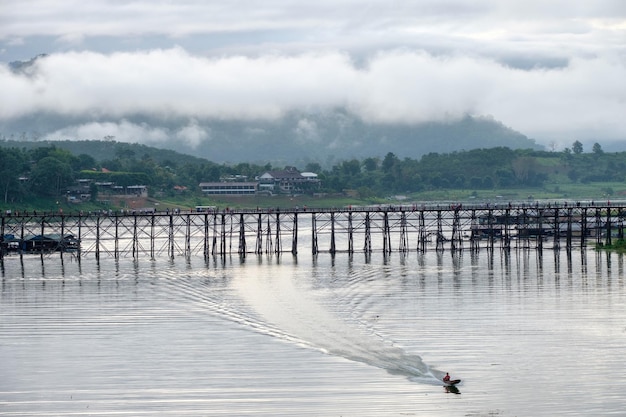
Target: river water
x,y
530,334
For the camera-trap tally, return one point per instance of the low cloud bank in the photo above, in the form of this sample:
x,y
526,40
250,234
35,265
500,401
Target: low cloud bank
x,y
586,96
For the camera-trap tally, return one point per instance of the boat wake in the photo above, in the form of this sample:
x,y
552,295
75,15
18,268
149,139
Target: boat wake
x,y
318,319
282,306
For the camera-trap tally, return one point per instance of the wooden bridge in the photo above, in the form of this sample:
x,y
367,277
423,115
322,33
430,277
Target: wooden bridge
x,y
376,228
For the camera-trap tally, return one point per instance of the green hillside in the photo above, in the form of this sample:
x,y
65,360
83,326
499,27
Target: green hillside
x,y
38,174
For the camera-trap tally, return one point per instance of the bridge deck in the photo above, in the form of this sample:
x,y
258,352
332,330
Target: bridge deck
x,y
376,228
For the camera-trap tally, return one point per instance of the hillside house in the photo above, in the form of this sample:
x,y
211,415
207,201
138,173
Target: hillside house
x,y
288,181
80,192
229,188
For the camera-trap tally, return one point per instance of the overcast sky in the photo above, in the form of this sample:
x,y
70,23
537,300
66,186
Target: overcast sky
x,y
554,70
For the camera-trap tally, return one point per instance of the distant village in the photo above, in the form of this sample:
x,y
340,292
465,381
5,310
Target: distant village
x,y
289,181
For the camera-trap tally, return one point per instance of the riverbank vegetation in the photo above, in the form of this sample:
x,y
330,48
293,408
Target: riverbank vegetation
x,y
39,177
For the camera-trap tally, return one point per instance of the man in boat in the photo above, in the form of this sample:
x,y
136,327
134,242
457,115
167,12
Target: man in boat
x,y
446,378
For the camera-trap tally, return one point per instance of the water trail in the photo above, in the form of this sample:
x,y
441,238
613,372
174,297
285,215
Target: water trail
x,y
201,295
305,314
313,318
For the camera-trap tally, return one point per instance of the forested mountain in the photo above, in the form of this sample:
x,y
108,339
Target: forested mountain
x,y
330,137
48,171
108,150
301,137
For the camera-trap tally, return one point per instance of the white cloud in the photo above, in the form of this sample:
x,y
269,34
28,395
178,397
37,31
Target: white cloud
x,y
306,131
410,62
326,23
123,131
396,86
587,98
172,83
192,134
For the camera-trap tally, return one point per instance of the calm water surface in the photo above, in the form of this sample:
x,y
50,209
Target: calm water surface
x,y
529,335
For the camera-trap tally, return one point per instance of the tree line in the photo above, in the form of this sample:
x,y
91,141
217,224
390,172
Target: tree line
x,y
48,171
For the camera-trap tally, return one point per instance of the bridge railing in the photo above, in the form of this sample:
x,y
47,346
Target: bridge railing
x,y
413,227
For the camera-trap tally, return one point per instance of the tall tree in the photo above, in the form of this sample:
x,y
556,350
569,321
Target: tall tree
x,y
370,164
577,147
10,167
597,149
50,176
389,162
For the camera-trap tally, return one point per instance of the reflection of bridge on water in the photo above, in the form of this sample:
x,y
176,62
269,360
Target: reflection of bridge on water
x,y
367,229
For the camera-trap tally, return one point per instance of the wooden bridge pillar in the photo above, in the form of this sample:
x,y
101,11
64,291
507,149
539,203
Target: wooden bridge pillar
x,y
609,239
367,245
350,233
269,246
492,232
62,230
540,231
2,235
457,238
314,248
22,239
116,244
421,246
135,238
242,236
583,228
294,235
556,229
97,237
522,230
404,247
568,237
229,250
170,237
153,221
386,234
598,226
80,234
277,245
474,236
506,236
258,247
188,235
333,249
440,237
214,243
223,236
206,237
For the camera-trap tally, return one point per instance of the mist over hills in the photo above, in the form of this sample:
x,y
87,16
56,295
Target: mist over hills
x,y
295,139
331,137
